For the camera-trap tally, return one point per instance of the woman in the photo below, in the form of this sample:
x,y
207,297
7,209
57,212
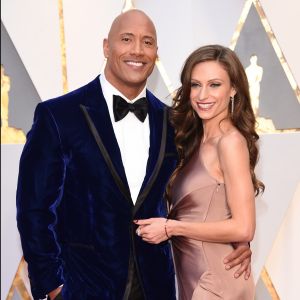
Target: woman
x,y
213,188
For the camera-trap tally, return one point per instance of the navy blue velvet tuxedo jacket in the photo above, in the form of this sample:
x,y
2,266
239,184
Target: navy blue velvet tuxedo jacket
x,y
74,209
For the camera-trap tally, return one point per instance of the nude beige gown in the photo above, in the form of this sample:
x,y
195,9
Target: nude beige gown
x,y
201,274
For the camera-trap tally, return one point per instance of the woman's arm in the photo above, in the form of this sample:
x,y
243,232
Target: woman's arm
x,y
234,162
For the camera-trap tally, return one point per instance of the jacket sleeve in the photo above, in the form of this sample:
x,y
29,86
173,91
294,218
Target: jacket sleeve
x,y
39,192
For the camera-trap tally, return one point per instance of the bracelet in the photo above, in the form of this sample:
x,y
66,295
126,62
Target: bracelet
x,y
166,229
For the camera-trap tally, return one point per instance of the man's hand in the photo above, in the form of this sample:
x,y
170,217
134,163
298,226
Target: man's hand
x,y
54,293
241,255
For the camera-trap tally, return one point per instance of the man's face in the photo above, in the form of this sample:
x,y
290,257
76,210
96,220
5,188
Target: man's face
x,y
131,51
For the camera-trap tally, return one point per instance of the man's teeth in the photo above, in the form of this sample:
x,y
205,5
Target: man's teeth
x,y
205,105
135,63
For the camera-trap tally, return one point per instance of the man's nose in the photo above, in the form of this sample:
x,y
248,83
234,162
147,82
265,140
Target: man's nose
x,y
137,48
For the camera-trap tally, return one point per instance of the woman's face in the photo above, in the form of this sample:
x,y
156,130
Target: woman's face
x,y
210,90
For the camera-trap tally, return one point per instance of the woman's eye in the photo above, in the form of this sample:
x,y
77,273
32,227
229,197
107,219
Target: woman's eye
x,y
194,84
215,84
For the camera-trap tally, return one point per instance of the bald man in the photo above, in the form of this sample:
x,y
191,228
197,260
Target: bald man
x,y
95,160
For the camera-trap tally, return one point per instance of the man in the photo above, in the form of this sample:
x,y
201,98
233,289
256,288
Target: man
x,y
92,164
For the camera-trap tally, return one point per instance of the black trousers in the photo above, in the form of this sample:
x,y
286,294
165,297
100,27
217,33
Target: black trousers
x,y
136,292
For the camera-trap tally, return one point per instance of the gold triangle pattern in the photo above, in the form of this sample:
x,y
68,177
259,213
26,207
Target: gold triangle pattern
x,y
18,283
266,279
266,125
9,135
63,46
128,5
268,283
271,36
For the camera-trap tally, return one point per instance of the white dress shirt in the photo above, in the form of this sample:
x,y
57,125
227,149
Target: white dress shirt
x,y
133,137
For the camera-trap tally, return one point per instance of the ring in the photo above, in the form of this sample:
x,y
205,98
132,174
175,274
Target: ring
x,y
138,231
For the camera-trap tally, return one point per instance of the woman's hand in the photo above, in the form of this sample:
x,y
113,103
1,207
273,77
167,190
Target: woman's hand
x,y
152,230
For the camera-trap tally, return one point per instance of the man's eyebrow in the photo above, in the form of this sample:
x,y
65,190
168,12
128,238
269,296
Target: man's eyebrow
x,y
149,37
145,36
127,33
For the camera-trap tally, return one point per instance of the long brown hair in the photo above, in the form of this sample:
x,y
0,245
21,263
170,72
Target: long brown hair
x,y
188,126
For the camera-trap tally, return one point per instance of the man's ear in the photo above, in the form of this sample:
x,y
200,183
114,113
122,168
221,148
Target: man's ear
x,y
105,48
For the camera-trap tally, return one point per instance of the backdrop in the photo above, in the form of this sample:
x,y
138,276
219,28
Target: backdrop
x,y
51,47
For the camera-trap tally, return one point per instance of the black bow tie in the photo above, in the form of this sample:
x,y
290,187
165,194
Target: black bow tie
x,y
122,107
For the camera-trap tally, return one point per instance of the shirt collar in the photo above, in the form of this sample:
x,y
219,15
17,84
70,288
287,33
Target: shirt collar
x,y
109,90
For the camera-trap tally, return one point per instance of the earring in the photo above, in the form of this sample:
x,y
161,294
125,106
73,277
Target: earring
x,y
232,104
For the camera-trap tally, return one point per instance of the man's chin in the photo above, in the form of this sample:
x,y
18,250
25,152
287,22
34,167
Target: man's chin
x,y
136,81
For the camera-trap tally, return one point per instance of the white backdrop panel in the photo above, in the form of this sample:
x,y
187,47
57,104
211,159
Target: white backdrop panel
x,y
183,26
86,25
283,17
33,26
279,169
284,260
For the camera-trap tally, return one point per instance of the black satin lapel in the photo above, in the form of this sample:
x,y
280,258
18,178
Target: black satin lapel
x,y
158,128
123,188
98,112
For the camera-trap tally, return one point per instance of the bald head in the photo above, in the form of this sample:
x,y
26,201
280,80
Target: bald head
x,y
131,51
130,16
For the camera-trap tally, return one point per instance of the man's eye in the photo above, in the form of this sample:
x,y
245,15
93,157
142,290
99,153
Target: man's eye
x,y
125,39
148,43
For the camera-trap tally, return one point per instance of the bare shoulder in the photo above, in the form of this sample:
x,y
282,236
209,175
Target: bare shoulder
x,y
232,140
232,146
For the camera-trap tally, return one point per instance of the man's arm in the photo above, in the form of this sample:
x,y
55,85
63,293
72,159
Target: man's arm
x,y
241,255
40,187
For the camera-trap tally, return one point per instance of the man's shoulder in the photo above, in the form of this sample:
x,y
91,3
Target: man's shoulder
x,y
157,103
74,97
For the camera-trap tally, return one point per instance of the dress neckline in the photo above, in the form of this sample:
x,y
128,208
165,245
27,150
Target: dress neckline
x,y
206,170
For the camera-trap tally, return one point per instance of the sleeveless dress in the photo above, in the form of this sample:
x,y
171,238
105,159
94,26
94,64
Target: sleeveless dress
x,y
200,271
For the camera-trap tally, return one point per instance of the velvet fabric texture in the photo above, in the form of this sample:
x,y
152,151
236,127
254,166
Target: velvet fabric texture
x,y
76,225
